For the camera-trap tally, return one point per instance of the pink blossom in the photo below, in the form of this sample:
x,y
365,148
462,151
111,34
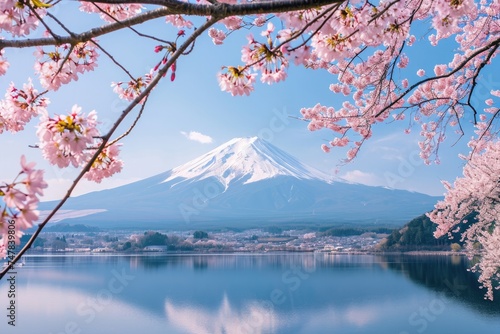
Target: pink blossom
x,y
217,36
325,148
477,191
106,164
4,64
64,139
63,64
232,22
236,81
3,249
403,61
27,214
178,21
260,20
440,69
14,197
112,12
34,182
420,72
17,18
134,87
20,106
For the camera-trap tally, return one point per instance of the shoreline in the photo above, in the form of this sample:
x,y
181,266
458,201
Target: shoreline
x,y
195,253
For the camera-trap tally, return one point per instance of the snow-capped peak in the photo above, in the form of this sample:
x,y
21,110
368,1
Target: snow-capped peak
x,y
247,159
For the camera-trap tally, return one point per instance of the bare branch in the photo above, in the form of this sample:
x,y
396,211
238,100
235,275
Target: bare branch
x,y
126,133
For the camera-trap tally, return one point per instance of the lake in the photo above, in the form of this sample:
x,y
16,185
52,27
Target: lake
x,y
247,293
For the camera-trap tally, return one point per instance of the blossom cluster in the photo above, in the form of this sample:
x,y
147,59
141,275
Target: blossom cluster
x,y
133,88
111,13
4,64
19,18
72,140
19,106
65,139
18,202
264,58
363,46
476,193
63,64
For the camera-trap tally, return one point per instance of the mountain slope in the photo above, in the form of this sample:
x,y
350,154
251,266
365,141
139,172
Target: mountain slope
x,y
246,181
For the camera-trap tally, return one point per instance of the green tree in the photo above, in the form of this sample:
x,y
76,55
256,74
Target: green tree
x,y
200,235
151,238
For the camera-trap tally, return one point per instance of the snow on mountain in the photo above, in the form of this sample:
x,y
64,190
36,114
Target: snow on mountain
x,y
245,159
246,181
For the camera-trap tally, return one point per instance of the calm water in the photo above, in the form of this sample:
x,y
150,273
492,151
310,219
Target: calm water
x,y
272,293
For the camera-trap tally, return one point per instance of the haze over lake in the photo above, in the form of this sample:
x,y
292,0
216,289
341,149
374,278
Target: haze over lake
x,y
249,293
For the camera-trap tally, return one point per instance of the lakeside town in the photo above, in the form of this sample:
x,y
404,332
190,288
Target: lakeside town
x,y
253,240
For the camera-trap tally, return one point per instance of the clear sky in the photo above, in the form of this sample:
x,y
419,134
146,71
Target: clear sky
x,y
191,116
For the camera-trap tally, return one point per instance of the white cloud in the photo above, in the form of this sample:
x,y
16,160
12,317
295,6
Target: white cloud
x,y
197,136
358,176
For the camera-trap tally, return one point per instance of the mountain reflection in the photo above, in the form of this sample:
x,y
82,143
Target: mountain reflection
x,y
232,261
253,318
261,317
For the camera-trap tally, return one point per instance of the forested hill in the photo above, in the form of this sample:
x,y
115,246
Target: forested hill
x,y
418,234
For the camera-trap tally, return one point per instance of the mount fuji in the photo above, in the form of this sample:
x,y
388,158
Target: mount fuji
x,y
244,182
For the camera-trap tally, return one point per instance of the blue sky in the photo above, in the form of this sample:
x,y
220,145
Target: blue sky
x,y
179,113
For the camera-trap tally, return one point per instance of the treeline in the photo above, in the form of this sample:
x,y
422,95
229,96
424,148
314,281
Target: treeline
x,y
353,231
172,242
418,234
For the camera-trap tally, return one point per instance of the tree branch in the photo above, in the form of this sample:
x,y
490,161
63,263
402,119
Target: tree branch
x,y
85,36
163,70
222,10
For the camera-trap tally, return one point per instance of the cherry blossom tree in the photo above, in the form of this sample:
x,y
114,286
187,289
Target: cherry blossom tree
x,y
365,46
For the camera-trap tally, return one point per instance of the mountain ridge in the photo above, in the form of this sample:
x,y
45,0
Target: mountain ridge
x,y
245,181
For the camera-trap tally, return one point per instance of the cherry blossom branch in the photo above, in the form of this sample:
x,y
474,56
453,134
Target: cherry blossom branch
x,y
110,56
493,44
163,70
40,19
129,27
224,9
126,133
301,31
474,82
85,36
219,10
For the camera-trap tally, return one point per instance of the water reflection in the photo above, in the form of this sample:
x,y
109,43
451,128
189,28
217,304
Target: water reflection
x,y
266,293
252,318
447,276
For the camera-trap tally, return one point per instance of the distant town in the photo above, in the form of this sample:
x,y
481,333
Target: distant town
x,y
254,240
416,235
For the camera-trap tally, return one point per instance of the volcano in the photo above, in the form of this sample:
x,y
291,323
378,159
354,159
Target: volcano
x,y
244,182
